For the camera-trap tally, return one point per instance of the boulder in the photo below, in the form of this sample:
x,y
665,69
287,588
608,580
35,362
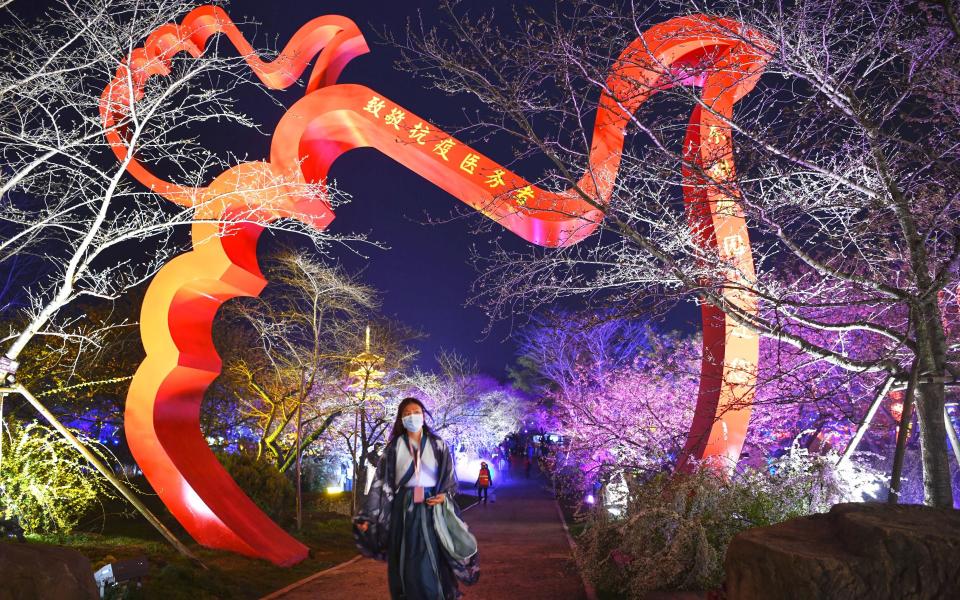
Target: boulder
x,y
869,551
36,571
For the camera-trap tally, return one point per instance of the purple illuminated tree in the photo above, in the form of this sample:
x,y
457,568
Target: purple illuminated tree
x,y
627,407
846,164
620,392
471,411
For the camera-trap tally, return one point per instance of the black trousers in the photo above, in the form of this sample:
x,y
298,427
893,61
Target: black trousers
x,y
483,492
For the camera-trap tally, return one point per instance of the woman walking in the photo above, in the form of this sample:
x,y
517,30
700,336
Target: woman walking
x,y
409,518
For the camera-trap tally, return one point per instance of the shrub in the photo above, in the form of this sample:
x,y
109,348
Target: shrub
x,y
677,527
180,582
337,504
44,481
263,483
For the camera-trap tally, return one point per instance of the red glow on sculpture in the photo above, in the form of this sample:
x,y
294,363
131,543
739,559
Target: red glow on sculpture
x,y
163,404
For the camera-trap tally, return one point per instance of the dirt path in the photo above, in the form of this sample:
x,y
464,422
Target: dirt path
x,y
524,554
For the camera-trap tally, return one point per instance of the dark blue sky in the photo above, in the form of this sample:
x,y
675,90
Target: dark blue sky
x,y
426,275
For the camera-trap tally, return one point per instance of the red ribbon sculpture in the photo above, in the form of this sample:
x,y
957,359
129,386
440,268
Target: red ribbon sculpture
x,y
163,404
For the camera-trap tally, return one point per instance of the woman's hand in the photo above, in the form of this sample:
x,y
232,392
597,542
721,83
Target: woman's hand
x,y
363,526
434,500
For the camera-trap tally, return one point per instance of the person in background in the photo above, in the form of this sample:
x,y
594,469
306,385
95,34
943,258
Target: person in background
x,y
503,462
484,482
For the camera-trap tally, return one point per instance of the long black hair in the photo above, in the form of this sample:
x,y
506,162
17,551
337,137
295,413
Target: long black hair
x,y
398,427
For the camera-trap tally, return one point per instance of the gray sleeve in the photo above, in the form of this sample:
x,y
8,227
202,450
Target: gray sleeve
x,y
381,492
448,476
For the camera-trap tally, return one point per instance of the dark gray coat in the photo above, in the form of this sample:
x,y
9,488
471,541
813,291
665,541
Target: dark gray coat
x,y
377,509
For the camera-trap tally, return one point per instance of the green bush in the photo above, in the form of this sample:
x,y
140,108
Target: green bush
x,y
263,483
338,504
676,528
44,481
180,582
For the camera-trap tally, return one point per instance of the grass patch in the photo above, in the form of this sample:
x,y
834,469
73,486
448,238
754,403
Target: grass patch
x,y
116,533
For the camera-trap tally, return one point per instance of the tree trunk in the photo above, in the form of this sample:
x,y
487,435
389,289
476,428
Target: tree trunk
x,y
299,467
937,489
903,435
930,399
295,452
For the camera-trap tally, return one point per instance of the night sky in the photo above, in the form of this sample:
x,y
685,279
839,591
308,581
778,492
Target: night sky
x,y
425,276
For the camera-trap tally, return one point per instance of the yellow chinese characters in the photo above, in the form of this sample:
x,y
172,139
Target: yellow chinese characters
x,y
395,117
716,135
722,169
374,106
524,195
495,179
443,147
733,245
726,206
469,162
738,371
419,132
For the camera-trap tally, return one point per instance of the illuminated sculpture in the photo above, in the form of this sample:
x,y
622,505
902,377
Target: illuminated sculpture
x,y
163,405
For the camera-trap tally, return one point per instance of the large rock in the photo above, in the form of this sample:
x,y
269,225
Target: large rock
x,y
34,571
868,551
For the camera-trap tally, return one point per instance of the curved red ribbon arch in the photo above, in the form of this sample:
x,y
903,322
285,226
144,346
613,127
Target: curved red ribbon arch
x,y
163,404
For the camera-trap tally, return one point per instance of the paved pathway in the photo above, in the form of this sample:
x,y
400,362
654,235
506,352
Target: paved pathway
x,y
524,554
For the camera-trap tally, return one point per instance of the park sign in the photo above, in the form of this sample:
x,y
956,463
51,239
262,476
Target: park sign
x,y
162,415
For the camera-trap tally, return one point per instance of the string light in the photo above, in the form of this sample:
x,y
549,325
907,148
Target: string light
x,y
83,385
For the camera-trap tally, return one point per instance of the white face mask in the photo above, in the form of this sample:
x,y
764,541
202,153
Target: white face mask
x,y
413,422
